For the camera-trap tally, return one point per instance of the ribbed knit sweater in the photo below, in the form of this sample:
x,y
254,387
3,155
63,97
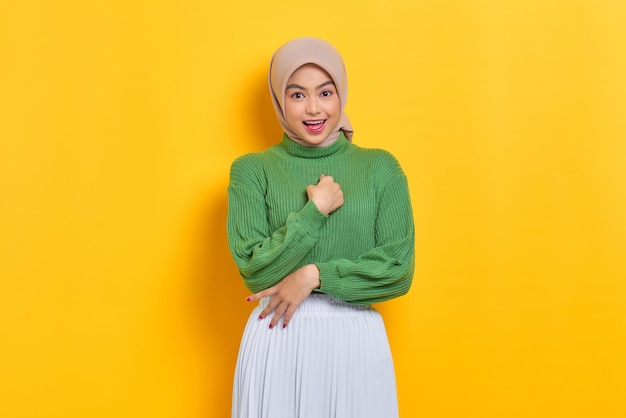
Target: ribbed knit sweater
x,y
364,250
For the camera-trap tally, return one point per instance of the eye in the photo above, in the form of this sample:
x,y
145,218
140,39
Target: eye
x,y
297,95
327,93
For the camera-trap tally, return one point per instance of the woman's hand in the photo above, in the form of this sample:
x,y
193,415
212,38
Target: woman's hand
x,y
289,294
326,194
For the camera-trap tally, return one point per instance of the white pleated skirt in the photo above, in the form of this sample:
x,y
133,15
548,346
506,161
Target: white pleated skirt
x,y
332,361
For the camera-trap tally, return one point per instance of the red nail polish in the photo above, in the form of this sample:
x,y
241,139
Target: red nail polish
x,y
284,326
248,299
260,316
271,326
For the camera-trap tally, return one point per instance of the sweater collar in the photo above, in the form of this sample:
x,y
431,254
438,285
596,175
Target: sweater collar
x,y
293,148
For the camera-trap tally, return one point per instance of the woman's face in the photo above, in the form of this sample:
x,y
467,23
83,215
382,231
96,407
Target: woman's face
x,y
312,105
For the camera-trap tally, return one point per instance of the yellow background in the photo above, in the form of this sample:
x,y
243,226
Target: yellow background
x,y
118,123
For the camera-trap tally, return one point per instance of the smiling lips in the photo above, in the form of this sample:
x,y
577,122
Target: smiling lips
x,y
314,126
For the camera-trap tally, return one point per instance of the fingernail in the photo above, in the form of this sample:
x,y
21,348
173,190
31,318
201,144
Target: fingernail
x,y
260,316
271,326
248,299
284,326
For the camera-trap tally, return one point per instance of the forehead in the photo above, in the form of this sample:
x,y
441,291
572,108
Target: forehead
x,y
309,74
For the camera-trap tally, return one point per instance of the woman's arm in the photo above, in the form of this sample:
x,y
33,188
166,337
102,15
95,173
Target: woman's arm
x,y
385,271
265,258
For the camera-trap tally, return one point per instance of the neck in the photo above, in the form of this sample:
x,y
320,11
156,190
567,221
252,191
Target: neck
x,y
325,143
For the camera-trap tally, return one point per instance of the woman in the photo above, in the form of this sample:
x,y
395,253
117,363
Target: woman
x,y
319,229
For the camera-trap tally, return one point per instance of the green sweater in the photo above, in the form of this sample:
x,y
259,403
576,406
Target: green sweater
x,y
364,250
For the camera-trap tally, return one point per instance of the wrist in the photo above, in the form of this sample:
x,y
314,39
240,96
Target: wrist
x,y
321,208
316,281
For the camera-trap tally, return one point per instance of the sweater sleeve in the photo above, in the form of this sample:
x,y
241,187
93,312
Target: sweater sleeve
x,y
385,271
264,258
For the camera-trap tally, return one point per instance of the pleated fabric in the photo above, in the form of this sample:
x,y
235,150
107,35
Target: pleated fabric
x,y
332,361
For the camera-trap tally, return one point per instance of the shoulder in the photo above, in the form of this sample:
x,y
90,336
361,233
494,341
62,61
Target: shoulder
x,y
247,161
249,169
253,161
381,168
380,161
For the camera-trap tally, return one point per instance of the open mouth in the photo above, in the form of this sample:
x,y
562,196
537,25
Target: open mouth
x,y
314,125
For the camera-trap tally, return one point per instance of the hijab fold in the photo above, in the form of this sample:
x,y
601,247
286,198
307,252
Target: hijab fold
x,y
293,55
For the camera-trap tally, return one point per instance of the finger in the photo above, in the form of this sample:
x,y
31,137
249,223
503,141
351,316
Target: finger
x,y
288,314
272,306
280,310
263,293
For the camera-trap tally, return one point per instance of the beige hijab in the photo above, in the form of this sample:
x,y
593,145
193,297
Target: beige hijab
x,y
293,55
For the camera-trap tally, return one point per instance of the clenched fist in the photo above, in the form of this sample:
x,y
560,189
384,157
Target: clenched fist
x,y
326,194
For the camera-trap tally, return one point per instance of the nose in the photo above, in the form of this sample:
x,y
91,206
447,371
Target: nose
x,y
313,106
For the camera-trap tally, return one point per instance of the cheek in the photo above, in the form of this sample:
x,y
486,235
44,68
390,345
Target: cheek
x,y
334,104
291,110
292,115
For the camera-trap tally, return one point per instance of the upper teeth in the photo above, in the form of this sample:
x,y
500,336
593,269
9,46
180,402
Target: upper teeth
x,y
317,122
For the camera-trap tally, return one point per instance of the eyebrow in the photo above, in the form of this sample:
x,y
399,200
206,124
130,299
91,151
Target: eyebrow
x,y
297,86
